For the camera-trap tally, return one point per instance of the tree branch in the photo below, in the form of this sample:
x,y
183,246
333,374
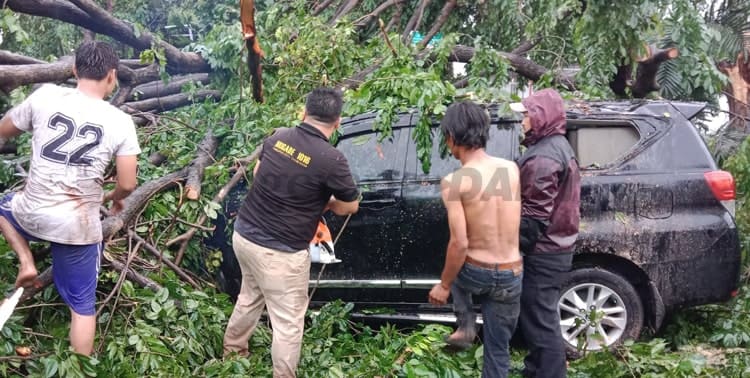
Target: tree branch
x,y
87,14
364,20
396,18
444,13
163,104
157,88
524,67
321,7
184,239
14,76
343,10
158,254
10,58
196,169
414,21
645,74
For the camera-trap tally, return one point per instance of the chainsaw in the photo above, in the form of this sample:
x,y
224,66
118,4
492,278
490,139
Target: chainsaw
x,y
321,246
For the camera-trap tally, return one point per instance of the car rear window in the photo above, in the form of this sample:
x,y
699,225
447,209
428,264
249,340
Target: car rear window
x,y
597,146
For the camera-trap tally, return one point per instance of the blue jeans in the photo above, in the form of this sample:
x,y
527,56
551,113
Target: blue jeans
x,y
499,293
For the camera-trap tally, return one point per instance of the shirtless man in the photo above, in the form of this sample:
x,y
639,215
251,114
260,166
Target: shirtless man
x,y
484,214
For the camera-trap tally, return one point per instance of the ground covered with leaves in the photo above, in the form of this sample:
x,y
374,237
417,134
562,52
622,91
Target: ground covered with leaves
x,y
178,333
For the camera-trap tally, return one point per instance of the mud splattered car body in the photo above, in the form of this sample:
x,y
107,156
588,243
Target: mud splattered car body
x,y
657,226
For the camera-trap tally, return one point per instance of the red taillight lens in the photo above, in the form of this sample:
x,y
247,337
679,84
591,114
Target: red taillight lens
x,y
721,184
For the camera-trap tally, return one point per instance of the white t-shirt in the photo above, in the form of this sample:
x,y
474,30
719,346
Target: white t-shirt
x,y
74,138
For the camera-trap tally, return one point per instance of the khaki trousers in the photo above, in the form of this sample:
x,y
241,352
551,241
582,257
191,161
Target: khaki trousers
x,y
278,280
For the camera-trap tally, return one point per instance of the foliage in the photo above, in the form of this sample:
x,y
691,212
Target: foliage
x,y
178,332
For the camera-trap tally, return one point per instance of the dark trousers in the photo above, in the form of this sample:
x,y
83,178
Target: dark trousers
x,y
540,321
499,292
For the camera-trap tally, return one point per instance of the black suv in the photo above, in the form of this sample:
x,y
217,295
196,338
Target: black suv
x,y
657,225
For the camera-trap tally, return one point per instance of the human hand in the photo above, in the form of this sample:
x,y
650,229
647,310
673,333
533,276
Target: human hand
x,y
117,205
439,295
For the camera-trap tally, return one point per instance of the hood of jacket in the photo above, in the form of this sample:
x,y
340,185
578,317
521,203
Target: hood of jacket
x,y
547,112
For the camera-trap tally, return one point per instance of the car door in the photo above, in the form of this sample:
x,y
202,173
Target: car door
x,y
370,246
425,217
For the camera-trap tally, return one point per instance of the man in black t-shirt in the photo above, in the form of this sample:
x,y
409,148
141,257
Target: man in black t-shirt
x,y
299,175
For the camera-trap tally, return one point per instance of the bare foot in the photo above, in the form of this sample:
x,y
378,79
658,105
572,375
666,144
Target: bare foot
x,y
27,276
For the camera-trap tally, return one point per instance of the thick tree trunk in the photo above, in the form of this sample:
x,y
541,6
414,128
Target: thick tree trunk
x,y
159,89
87,14
10,58
738,90
163,104
14,76
523,66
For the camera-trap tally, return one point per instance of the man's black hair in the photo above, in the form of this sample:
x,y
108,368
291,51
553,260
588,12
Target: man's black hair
x,y
95,59
324,104
467,124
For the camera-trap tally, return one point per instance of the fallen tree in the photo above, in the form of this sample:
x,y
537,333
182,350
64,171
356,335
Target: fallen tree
x,y
345,28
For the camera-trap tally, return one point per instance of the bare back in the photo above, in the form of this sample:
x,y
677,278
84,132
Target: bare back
x,y
491,200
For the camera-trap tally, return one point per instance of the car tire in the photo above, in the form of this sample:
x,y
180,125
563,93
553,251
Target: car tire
x,y
618,315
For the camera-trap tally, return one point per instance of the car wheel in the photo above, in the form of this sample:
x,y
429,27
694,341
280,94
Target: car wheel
x,y
598,309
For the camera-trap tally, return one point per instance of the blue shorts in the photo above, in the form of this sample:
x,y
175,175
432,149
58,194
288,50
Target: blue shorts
x,y
75,268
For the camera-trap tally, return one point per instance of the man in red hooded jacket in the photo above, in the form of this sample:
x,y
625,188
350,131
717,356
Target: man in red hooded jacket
x,y
550,193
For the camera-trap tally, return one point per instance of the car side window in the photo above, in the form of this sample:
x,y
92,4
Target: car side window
x,y
601,145
440,166
371,160
503,143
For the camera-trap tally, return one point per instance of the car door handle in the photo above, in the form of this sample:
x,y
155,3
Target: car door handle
x,y
379,201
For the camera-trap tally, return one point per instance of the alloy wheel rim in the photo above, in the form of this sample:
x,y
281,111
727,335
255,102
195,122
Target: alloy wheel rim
x,y
592,316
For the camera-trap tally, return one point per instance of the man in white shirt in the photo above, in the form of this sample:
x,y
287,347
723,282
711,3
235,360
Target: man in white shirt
x,y
75,135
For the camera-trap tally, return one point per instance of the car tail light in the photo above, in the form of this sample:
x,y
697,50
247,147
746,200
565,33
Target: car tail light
x,y
722,186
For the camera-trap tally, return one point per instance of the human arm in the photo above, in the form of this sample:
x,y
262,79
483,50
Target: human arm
x,y
127,168
458,245
345,196
539,189
19,119
8,129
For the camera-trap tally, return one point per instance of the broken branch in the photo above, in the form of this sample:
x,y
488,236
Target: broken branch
x,y
158,254
196,169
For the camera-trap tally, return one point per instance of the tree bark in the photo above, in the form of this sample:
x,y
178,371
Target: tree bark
x,y
158,254
645,74
524,67
364,20
205,157
184,239
321,7
163,104
87,14
14,76
159,89
444,14
10,58
343,10
396,18
137,200
414,21
737,90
